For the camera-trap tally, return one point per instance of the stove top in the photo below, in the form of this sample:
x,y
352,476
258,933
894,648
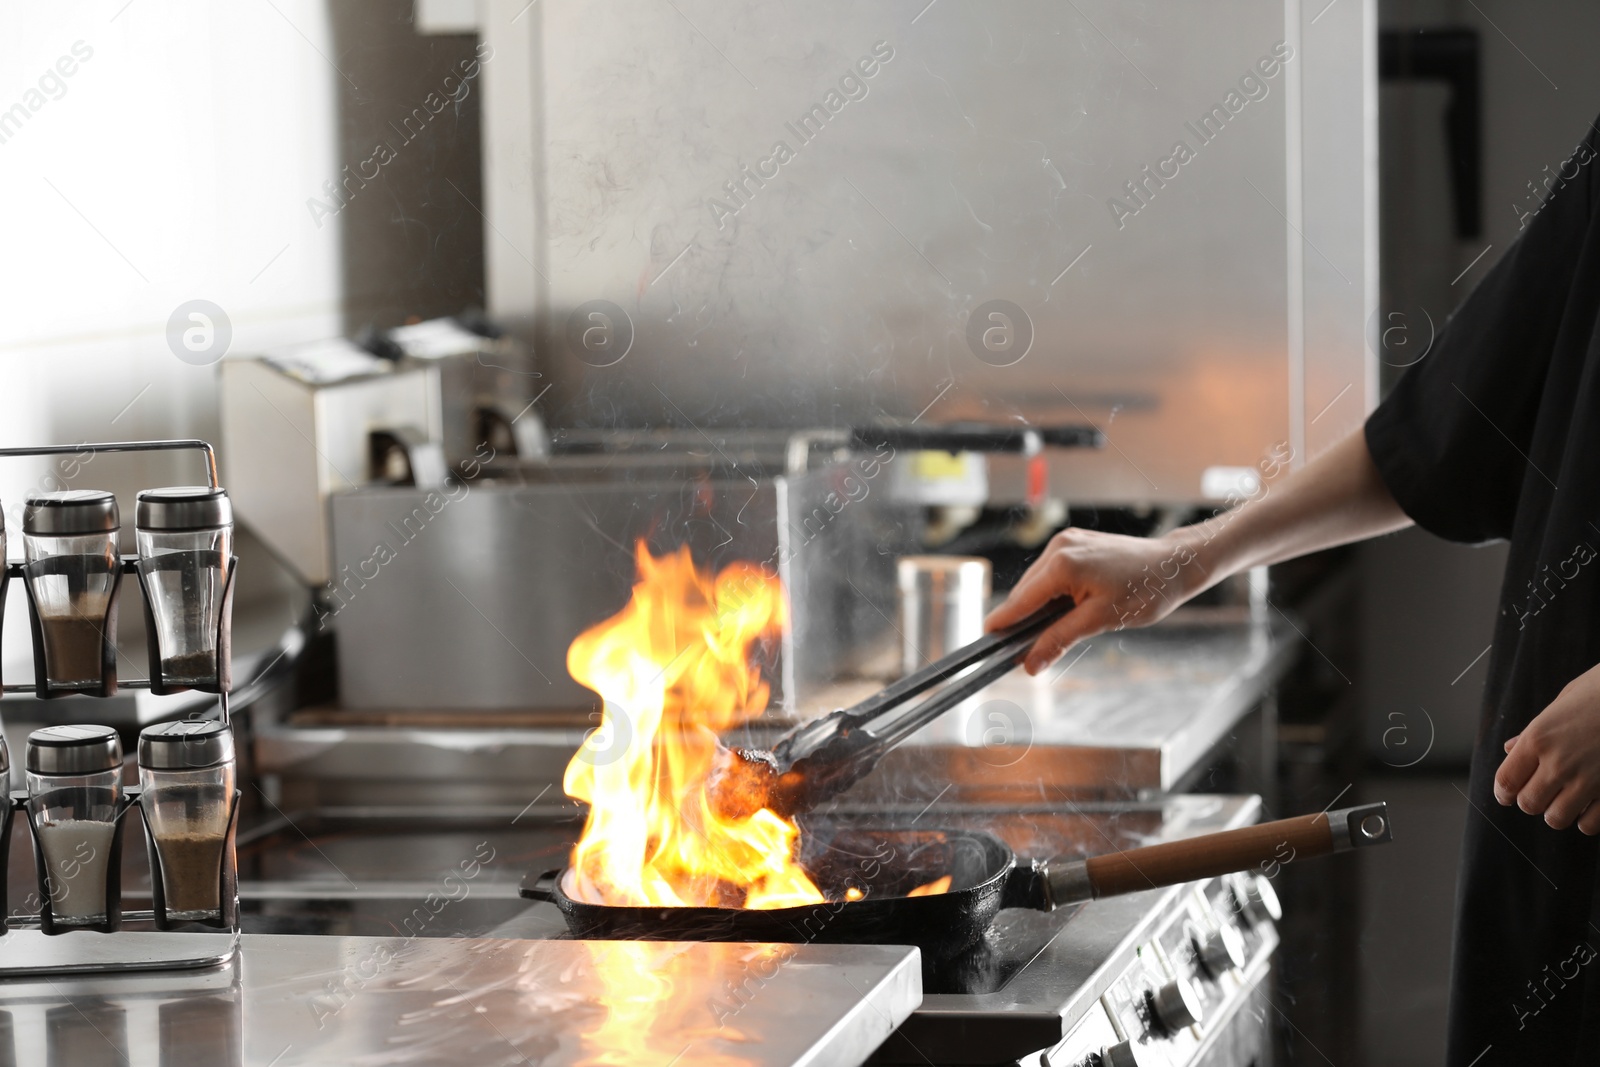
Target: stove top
x,y
358,872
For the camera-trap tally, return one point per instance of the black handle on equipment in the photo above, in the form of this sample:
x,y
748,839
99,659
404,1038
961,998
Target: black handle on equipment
x,y
974,437
1025,887
542,887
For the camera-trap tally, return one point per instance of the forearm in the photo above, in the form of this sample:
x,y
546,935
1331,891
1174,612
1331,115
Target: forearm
x,y
1116,581
1337,498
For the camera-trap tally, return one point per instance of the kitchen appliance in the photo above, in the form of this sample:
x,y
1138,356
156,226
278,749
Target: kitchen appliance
x,y
297,427
487,384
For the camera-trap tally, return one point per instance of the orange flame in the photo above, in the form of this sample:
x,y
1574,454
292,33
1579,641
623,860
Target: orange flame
x,y
933,888
673,670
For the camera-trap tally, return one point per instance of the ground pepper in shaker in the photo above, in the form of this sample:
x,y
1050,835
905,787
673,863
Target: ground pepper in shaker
x,y
185,541
70,541
186,769
74,797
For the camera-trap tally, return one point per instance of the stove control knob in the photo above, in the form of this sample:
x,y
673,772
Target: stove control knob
x,y
1122,1054
1221,951
1262,902
1176,1005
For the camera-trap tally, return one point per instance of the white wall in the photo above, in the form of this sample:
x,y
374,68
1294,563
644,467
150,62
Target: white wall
x,y
174,163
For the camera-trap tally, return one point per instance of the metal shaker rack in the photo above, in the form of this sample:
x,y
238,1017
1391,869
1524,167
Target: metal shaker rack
x,y
134,565
32,945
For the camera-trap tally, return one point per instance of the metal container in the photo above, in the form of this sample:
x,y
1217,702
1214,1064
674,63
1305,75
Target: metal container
x,y
942,603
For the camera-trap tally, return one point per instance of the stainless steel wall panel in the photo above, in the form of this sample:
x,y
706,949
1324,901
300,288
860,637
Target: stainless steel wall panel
x,y
474,606
469,598
980,161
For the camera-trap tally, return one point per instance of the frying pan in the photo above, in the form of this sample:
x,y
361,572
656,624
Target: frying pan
x,y
986,876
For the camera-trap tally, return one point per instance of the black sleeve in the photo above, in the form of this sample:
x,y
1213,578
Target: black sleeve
x,y
1452,441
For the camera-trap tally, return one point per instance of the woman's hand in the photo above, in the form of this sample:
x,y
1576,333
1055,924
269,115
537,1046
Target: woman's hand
x,y
1114,581
1119,581
1552,768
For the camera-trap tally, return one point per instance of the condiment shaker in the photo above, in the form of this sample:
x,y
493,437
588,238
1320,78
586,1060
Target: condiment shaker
x,y
942,602
70,542
74,799
185,541
186,769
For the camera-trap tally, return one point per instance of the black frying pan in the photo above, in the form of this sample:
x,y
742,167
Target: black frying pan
x,y
986,876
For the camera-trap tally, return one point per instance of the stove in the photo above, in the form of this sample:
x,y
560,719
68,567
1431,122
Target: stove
x,y
1054,990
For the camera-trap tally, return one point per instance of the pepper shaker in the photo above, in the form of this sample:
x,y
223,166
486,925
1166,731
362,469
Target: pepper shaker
x,y
187,770
72,571
185,541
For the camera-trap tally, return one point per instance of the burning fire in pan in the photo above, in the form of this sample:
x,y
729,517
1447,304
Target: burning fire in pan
x,y
675,669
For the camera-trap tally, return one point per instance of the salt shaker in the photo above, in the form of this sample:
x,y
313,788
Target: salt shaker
x,y
70,541
74,798
185,541
186,769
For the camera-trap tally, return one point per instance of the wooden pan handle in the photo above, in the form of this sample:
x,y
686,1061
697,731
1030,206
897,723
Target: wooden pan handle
x,y
1265,847
1211,854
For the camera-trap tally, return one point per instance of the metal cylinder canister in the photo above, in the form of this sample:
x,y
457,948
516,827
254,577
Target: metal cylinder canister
x,y
942,604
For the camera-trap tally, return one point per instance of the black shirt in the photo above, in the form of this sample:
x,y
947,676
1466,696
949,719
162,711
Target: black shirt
x,y
1495,434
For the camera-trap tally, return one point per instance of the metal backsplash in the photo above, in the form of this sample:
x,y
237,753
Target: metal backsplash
x,y
797,214
469,598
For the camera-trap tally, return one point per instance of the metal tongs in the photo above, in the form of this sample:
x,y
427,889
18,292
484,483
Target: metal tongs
x,y
822,758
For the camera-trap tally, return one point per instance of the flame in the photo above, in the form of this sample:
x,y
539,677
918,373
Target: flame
x,y
673,669
933,888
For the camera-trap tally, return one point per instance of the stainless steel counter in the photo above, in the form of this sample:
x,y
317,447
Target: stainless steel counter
x,y
1035,977
1125,714
357,878
365,1001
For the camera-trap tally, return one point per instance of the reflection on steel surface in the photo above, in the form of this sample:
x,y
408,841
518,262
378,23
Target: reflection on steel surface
x,y
364,1001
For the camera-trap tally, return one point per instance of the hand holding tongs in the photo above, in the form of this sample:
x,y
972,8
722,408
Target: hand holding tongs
x,y
824,757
